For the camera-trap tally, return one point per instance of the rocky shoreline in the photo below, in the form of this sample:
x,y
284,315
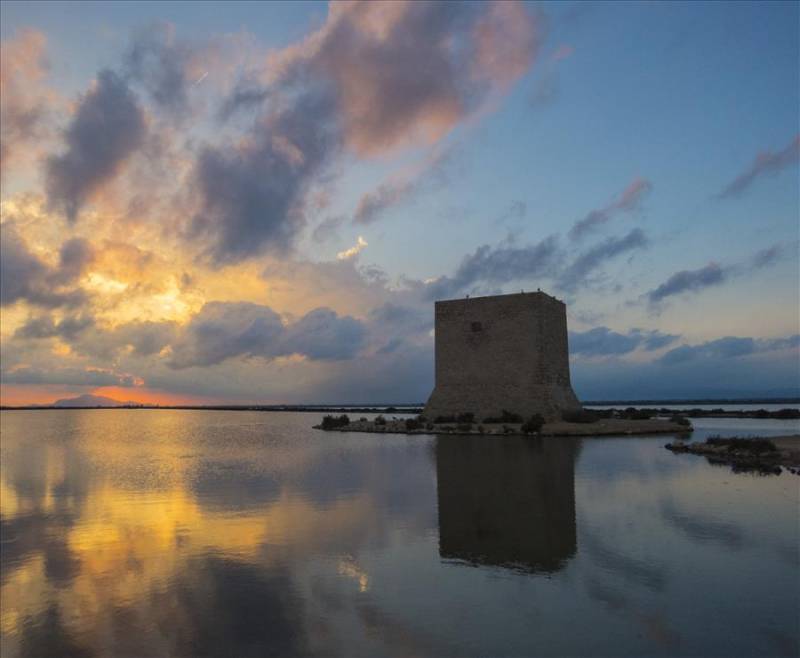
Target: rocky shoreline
x,y
756,455
602,427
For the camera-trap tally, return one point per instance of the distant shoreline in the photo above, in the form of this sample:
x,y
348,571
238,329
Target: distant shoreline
x,y
416,409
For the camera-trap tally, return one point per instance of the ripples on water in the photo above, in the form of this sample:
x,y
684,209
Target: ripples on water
x,y
194,533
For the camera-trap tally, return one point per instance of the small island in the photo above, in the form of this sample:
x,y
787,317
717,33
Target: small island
x,y
576,423
747,454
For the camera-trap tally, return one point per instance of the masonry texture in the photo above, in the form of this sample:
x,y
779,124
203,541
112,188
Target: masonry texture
x,y
503,352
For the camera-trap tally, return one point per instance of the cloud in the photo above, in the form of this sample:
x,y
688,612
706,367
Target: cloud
x,y
251,194
108,126
353,251
714,274
162,65
496,266
327,228
373,78
222,330
602,341
24,101
247,94
386,195
577,273
321,334
44,326
768,257
728,347
402,188
726,367
689,281
515,211
766,163
69,377
407,73
629,200
25,277
75,256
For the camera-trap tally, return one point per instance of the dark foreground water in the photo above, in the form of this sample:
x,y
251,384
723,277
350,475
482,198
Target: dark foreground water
x,y
237,534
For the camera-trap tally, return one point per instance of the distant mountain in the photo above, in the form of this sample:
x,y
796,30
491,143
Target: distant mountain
x,y
90,401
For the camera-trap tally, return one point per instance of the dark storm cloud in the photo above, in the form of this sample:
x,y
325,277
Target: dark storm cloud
x,y
496,266
628,201
222,330
156,60
602,341
589,261
25,277
251,194
766,163
689,281
108,126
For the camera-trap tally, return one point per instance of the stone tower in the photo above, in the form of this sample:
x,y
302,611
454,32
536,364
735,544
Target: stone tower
x,y
502,352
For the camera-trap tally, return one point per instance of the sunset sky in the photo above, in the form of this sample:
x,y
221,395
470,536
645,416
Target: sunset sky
x,y
224,202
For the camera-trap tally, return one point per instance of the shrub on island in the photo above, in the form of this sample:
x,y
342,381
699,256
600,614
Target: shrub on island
x,y
680,420
331,422
533,425
380,420
413,424
506,417
579,416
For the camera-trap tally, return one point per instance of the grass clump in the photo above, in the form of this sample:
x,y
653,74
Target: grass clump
x,y
413,424
533,425
380,420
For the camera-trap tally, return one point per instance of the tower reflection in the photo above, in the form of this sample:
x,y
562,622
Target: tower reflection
x,y
507,501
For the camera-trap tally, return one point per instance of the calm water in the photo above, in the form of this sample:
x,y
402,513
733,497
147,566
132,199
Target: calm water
x,y
238,534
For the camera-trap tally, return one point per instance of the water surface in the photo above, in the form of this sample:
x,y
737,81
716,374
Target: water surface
x,y
200,533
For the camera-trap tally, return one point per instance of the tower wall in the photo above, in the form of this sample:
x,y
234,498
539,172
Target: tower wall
x,y
503,352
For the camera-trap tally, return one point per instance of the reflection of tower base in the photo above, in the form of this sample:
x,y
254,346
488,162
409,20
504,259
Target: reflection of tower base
x,y
507,501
